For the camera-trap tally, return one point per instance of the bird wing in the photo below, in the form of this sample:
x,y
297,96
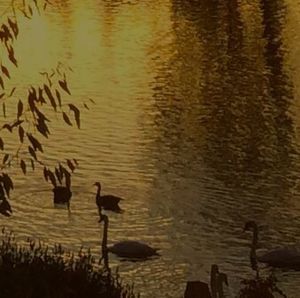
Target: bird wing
x,y
110,198
132,249
283,256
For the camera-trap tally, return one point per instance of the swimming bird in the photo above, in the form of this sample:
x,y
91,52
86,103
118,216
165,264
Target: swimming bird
x,y
108,202
282,257
62,195
129,249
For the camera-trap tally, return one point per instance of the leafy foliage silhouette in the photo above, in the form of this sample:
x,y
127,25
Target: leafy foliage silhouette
x,y
35,270
34,111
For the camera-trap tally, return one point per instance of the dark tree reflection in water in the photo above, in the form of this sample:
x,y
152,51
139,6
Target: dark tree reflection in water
x,y
195,125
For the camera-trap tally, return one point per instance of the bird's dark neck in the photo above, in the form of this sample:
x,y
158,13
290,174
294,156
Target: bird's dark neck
x,y
98,191
105,232
104,243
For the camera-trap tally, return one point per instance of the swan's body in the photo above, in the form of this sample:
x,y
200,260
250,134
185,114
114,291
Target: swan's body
x,y
132,249
126,249
284,257
107,202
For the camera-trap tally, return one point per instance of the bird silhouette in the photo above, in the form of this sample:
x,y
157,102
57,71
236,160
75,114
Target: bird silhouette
x,y
284,257
128,249
107,202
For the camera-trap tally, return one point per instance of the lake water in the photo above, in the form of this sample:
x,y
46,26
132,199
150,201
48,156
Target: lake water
x,y
196,125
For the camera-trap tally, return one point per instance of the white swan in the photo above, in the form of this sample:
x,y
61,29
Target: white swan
x,y
126,249
283,257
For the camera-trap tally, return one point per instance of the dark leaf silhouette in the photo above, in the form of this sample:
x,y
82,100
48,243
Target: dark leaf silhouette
x,y
30,10
1,144
32,152
31,102
12,92
67,179
5,71
32,97
42,127
35,143
58,175
76,114
32,164
24,13
11,56
52,178
70,165
1,95
41,115
14,27
21,134
23,166
6,31
86,106
45,172
75,161
17,123
1,83
4,110
7,183
50,96
66,119
5,158
61,170
20,109
64,86
41,98
8,127
58,97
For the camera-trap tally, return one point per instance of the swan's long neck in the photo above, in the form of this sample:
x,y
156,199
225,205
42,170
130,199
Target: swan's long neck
x,y
104,243
105,232
98,192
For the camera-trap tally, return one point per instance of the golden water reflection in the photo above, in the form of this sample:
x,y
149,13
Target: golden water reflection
x,y
195,124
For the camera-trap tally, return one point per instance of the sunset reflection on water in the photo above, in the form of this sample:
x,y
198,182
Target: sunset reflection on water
x,y
195,125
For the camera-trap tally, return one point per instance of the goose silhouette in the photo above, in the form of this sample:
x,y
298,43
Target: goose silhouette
x,y
107,202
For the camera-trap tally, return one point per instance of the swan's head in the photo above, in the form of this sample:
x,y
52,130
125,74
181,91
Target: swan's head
x,y
250,226
98,184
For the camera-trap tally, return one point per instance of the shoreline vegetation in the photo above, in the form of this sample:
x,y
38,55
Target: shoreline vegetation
x,y
34,270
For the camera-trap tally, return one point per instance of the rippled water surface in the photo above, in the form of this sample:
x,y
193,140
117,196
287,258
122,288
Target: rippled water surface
x,y
196,125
